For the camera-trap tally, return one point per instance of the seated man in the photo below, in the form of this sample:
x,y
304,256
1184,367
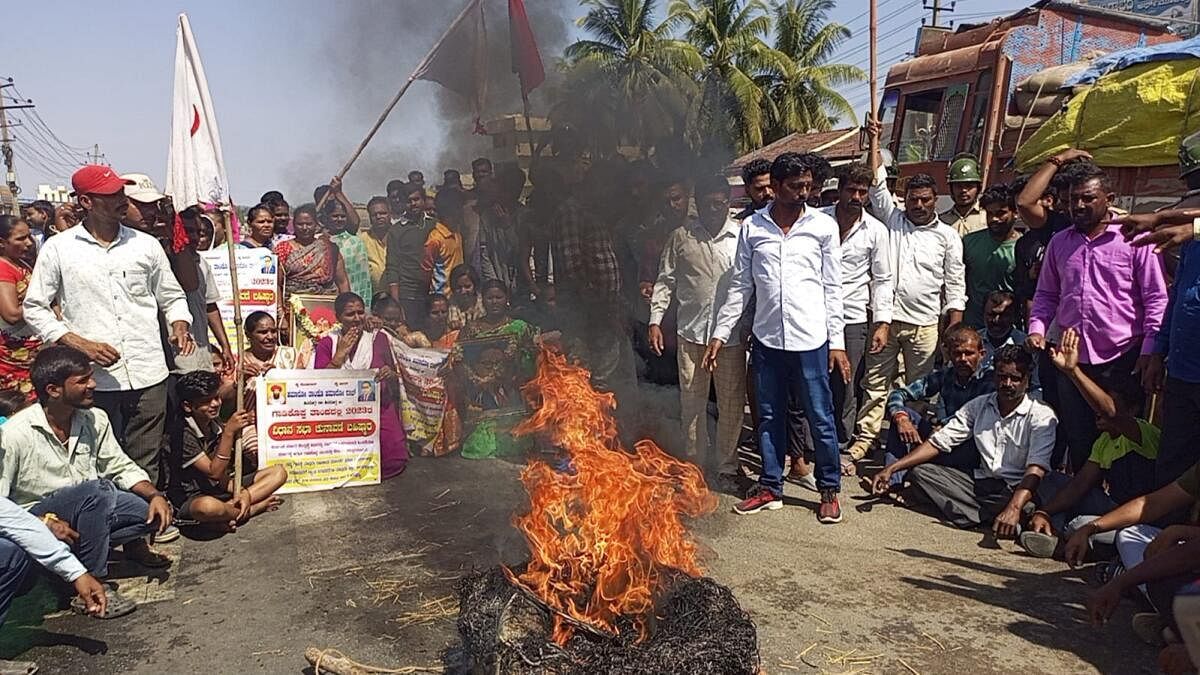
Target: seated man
x,y
60,456
1000,319
204,452
1159,561
953,386
1123,457
1167,562
23,538
1014,435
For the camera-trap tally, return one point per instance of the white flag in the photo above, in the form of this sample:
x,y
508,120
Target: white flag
x,y
195,167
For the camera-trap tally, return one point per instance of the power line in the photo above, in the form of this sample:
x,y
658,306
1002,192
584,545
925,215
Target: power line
x,y
42,123
52,148
883,21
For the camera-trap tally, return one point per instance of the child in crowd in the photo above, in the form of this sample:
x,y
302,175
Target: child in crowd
x,y
228,392
203,458
387,314
1123,458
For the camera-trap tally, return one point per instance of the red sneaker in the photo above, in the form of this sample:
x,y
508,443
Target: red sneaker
x,y
830,511
760,499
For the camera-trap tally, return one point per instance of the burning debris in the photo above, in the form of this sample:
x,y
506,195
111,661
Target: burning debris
x,y
699,628
613,583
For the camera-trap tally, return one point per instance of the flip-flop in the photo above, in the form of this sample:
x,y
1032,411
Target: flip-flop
x,y
117,606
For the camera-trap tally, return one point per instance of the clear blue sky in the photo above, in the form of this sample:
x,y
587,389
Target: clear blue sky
x,y
289,114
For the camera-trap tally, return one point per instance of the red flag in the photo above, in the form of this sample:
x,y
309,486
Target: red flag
x,y
526,61
458,60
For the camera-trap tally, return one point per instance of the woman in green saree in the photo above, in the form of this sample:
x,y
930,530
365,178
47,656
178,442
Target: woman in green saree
x,y
495,355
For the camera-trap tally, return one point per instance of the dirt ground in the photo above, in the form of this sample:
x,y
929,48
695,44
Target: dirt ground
x,y
369,571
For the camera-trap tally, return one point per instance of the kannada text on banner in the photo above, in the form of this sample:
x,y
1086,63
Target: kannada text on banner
x,y
257,278
322,425
422,391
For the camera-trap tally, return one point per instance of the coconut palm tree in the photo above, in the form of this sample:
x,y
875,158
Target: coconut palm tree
x,y
805,96
628,80
729,37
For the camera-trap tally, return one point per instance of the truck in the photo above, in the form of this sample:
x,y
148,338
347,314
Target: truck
x,y
959,93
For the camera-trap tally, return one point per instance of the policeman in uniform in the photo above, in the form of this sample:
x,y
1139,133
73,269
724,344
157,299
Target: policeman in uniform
x,y
966,216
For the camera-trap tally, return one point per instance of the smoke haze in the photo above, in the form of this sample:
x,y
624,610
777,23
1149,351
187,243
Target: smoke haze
x,y
371,47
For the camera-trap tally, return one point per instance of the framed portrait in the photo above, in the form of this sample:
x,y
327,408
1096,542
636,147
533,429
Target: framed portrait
x,y
312,316
488,379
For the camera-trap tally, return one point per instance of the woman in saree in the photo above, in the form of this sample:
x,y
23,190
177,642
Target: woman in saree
x,y
263,353
465,302
310,264
494,356
18,342
437,335
354,346
260,227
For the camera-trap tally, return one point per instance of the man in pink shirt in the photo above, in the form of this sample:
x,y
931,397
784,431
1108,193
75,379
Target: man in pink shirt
x,y
1112,294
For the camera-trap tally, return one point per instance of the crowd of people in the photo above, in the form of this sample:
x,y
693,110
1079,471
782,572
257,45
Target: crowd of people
x,y
1026,348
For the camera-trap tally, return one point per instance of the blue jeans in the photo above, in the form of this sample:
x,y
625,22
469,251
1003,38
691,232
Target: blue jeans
x,y
964,456
805,376
14,574
1092,505
102,514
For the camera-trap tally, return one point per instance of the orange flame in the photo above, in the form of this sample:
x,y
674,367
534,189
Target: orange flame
x,y
601,539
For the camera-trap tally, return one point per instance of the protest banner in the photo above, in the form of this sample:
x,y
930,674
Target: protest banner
x,y
322,425
422,391
258,281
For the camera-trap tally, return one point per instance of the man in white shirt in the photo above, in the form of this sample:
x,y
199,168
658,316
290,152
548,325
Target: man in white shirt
x,y
110,283
1015,438
695,270
756,177
789,259
866,286
929,283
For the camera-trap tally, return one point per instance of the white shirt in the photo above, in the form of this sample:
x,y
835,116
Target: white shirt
x,y
695,270
109,294
927,262
796,280
866,270
1008,446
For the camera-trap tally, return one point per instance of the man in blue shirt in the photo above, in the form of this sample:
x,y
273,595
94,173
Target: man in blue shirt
x,y
798,326
953,386
1175,348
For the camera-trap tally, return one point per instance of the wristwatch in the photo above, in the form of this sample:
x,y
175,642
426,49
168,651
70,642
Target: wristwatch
x,y
48,518
1055,161
1196,228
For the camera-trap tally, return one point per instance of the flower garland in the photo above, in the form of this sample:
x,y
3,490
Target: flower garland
x,y
305,321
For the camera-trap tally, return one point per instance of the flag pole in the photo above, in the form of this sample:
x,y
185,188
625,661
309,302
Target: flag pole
x,y
396,99
239,339
534,151
873,74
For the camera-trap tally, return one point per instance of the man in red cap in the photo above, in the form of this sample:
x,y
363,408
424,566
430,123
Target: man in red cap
x,y
110,283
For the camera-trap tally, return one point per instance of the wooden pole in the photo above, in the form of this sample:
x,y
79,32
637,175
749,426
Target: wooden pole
x,y
396,99
534,150
873,74
371,134
239,340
